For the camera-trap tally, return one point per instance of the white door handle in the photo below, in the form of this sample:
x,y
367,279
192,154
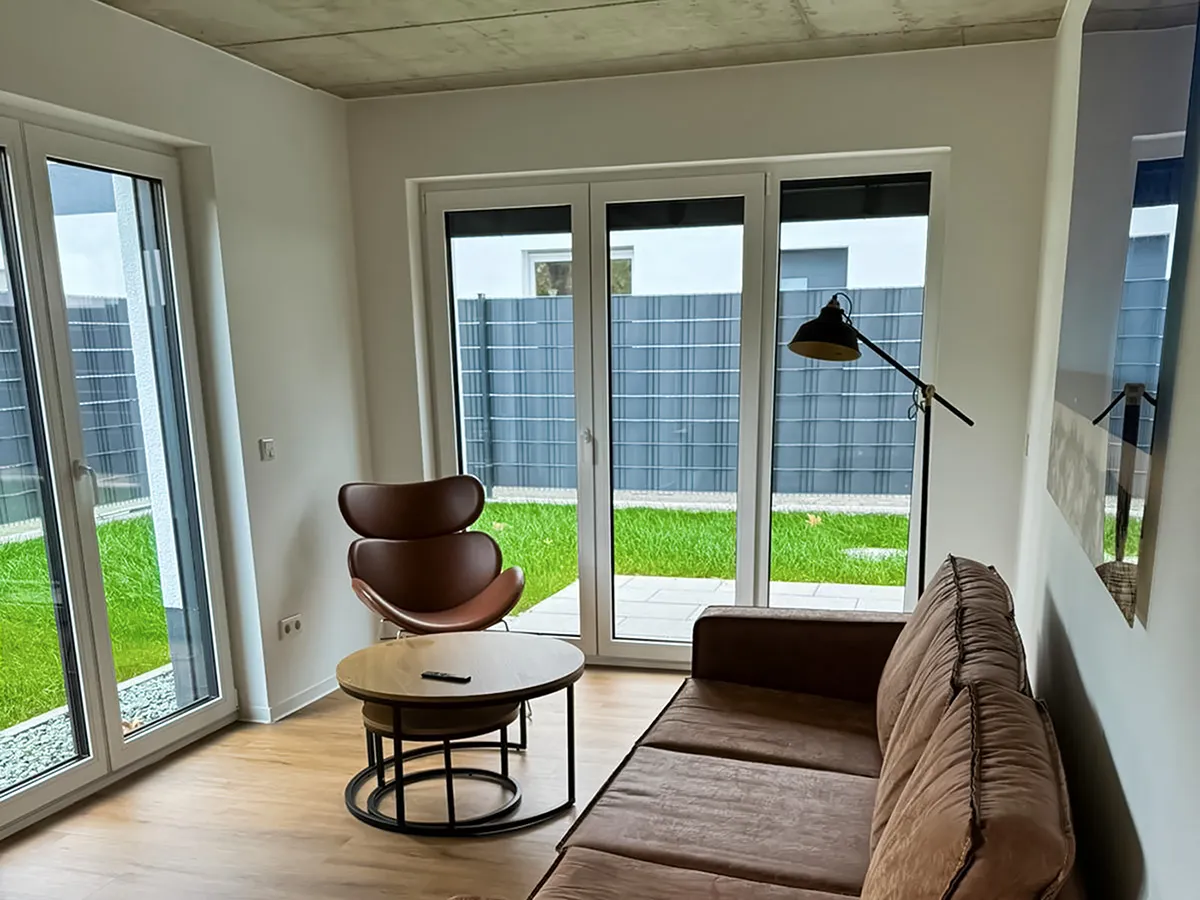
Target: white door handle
x,y
589,445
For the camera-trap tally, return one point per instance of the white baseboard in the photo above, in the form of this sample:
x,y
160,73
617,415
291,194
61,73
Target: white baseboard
x,y
259,715
298,701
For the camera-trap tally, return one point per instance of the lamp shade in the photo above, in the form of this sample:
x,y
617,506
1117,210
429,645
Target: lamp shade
x,y
829,336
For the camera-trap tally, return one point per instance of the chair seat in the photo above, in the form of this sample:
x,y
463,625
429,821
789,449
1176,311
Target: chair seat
x,y
440,724
760,725
582,874
785,825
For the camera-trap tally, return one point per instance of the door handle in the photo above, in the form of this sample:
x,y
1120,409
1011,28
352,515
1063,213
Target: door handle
x,y
589,445
83,472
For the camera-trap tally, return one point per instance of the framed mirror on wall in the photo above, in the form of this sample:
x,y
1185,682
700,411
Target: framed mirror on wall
x,y
1118,307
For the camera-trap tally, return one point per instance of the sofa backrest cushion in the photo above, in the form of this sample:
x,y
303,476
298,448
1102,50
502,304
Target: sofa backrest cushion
x,y
985,814
978,644
959,583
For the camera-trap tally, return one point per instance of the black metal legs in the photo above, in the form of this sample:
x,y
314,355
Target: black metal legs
x,y
496,821
926,451
571,744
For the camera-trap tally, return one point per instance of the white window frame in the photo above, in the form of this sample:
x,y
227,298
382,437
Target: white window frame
x,y
757,382
936,162
112,755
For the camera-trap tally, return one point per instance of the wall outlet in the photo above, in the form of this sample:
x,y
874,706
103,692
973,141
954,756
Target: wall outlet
x,y
291,626
266,449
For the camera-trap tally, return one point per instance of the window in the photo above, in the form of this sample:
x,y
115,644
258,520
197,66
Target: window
x,y
548,272
844,440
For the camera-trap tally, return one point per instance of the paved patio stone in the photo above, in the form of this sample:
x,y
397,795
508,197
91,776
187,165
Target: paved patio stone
x,y
654,607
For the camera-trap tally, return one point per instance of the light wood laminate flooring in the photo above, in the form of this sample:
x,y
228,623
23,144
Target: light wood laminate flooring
x,y
256,811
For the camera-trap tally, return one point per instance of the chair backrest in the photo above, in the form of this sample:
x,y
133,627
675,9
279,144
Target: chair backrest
x,y
411,512
415,552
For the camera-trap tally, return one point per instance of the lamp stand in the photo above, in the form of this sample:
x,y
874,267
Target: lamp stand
x,y
929,395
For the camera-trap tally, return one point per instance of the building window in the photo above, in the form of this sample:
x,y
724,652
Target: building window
x,y
548,272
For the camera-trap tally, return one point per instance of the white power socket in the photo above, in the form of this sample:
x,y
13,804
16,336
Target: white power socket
x,y
291,626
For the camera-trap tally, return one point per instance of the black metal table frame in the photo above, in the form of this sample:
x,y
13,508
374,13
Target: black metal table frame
x,y
489,823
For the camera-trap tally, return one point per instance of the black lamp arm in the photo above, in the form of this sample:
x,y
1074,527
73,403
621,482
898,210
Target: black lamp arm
x,y
921,385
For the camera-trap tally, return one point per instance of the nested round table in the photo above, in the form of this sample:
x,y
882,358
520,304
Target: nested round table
x,y
507,671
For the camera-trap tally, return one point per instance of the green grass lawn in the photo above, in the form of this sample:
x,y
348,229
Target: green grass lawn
x,y
540,537
31,679
1133,541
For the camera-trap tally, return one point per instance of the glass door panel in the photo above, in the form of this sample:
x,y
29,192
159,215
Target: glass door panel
x,y
674,310
122,325
42,722
844,433
511,283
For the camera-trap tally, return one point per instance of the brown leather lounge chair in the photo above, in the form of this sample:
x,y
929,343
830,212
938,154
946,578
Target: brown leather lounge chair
x,y
417,566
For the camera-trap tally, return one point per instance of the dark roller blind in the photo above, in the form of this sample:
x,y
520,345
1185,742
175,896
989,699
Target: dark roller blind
x,y
676,213
1159,182
864,197
499,222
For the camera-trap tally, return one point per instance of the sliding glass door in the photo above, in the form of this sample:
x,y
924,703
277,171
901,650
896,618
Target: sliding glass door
x,y
514,268
682,254
43,722
845,434
595,338
620,381
112,636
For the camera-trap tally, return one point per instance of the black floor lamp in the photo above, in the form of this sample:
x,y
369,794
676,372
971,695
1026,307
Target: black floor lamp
x,y
832,337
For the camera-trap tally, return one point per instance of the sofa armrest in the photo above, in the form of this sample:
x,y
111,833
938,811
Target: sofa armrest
x,y
831,654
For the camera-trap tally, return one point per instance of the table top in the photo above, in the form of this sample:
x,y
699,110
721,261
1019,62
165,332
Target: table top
x,y
503,666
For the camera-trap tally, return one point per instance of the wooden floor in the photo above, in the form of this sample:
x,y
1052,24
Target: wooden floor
x,y
257,812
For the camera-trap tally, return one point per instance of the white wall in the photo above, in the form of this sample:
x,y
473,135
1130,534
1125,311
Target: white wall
x,y
989,105
268,198
1124,699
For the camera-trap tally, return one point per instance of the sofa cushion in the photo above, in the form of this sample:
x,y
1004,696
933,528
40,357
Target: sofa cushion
x,y
760,725
978,645
959,583
965,633
781,824
985,814
582,874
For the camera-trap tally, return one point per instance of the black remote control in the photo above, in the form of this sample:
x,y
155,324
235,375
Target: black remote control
x,y
447,676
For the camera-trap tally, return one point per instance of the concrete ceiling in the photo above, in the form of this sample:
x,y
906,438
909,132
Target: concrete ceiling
x,y
367,48
1137,15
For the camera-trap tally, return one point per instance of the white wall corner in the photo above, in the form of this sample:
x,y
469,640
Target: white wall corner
x,y
1056,225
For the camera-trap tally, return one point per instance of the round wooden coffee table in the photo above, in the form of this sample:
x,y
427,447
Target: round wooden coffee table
x,y
507,671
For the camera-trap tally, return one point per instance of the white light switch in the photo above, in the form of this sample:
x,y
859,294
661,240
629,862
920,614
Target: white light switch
x,y
266,449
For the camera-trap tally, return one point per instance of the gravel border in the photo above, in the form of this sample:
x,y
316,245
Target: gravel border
x,y
32,747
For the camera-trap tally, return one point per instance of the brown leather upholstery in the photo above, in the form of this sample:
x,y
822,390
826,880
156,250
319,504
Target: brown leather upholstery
x,y
780,824
735,790
985,814
440,724
411,512
973,639
734,721
416,566
831,654
958,583
583,874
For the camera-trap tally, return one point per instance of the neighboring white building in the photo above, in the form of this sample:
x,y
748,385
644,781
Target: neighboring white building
x,y
879,253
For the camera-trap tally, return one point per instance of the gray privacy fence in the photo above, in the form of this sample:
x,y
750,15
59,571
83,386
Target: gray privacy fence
x,y
674,362
1138,361
104,381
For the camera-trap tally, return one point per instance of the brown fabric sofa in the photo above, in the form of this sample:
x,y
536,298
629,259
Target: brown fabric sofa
x,y
817,755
